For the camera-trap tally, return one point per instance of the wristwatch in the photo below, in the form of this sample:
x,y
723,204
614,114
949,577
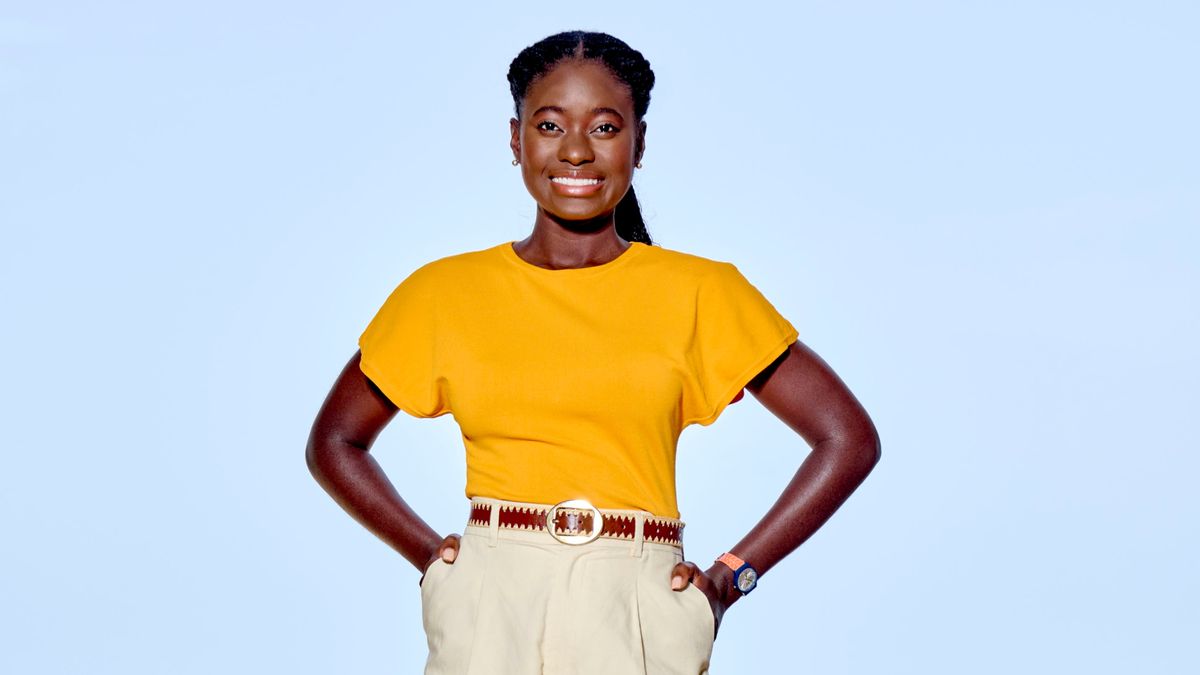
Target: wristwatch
x,y
745,577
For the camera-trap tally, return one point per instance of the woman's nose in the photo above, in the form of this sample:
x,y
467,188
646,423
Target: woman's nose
x,y
576,149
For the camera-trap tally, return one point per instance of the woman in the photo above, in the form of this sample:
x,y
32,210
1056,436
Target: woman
x,y
572,360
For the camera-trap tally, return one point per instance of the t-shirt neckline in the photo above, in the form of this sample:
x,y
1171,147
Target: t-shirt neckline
x,y
635,248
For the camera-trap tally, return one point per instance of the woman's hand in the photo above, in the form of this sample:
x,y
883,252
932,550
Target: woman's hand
x,y
447,551
713,584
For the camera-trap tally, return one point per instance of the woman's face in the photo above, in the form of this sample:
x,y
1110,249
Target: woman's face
x,y
577,140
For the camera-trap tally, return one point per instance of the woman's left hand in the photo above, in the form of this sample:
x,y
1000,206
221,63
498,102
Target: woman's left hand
x,y
711,584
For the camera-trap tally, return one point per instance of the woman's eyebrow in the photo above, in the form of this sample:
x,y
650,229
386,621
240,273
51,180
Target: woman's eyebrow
x,y
609,111
595,111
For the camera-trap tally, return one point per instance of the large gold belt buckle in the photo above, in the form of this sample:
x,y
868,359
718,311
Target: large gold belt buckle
x,y
575,539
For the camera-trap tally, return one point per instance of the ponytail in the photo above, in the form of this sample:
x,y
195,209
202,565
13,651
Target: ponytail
x,y
628,216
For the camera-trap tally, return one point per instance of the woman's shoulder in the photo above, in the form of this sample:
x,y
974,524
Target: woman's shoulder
x,y
458,264
672,261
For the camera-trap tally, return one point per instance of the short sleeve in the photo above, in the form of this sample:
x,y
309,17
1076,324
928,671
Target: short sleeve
x,y
400,349
737,334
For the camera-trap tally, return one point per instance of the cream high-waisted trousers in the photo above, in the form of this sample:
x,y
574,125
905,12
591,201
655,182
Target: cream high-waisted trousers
x,y
522,603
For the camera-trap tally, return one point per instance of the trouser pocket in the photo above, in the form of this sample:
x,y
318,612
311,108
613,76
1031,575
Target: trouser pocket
x,y
677,626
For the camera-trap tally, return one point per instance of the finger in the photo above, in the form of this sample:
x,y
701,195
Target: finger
x,y
682,574
449,548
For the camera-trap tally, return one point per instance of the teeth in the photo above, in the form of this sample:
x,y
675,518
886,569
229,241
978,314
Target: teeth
x,y
563,180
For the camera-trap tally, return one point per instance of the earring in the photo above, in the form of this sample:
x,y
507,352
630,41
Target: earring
x,y
516,161
638,165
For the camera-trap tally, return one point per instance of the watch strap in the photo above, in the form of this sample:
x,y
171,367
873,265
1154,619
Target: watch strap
x,y
731,561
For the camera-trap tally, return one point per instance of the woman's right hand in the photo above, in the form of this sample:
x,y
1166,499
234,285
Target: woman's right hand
x,y
447,551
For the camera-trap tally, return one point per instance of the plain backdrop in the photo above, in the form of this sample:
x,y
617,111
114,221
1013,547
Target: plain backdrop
x,y
983,215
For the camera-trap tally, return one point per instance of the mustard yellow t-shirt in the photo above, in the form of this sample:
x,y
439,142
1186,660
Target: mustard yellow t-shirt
x,y
572,383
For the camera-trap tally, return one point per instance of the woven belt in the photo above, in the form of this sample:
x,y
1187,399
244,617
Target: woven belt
x,y
573,522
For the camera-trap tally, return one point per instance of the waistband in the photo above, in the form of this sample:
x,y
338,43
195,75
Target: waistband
x,y
574,522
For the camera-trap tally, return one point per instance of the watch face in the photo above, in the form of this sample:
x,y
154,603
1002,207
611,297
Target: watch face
x,y
747,579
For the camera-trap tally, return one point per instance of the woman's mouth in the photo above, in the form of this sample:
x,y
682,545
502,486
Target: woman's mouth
x,y
573,186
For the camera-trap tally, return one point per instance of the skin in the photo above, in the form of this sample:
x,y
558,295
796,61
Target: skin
x,y
579,120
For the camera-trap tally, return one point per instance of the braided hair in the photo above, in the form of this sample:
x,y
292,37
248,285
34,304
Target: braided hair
x,y
624,62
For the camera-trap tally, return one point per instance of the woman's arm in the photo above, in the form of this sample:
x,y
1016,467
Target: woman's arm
x,y
804,392
338,455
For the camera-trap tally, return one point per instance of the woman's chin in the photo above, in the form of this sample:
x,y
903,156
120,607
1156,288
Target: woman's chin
x,y
581,220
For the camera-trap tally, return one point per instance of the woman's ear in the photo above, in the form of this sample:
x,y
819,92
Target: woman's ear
x,y
514,128
641,143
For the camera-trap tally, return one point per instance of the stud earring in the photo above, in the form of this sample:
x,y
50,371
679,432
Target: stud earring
x,y
638,165
516,161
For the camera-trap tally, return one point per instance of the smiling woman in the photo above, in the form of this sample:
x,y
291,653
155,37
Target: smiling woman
x,y
577,139
572,360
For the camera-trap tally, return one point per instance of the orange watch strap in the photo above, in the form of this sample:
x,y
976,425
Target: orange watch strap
x,y
731,561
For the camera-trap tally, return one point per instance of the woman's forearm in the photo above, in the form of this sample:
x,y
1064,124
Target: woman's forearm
x,y
355,481
826,478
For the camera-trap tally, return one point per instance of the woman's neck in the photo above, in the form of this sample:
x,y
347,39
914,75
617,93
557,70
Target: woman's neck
x,y
553,246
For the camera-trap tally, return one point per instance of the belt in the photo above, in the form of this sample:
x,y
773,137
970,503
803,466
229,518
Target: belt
x,y
574,521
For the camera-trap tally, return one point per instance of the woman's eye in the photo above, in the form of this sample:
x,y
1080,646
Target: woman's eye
x,y
607,128
547,125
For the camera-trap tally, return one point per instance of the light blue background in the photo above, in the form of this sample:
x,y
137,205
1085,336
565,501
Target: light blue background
x,y
983,215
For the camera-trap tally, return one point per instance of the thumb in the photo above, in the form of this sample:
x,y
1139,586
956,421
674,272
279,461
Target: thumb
x,y
449,548
681,574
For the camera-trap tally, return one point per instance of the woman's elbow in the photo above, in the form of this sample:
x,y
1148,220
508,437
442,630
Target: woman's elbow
x,y
873,449
312,456
862,450
320,455
868,449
